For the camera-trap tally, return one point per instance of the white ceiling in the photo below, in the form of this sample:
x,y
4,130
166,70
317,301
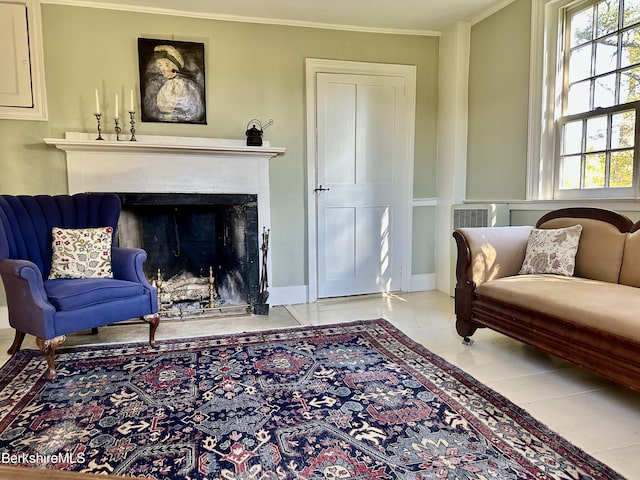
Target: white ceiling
x,y
393,16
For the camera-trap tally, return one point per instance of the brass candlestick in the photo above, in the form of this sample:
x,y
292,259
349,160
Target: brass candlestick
x,y
159,282
98,117
132,122
118,130
212,290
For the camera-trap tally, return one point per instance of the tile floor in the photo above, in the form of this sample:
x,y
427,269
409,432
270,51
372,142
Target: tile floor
x,y
598,416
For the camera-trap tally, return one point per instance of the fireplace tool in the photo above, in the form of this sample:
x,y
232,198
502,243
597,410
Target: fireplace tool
x,y
158,284
262,307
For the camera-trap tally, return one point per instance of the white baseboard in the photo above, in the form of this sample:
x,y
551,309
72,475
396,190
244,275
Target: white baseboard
x,y
4,317
423,282
288,295
297,294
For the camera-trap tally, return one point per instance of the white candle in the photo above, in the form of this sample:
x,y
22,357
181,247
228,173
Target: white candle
x,y
97,102
131,107
117,105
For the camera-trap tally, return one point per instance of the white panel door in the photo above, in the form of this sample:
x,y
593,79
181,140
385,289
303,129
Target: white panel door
x,y
359,183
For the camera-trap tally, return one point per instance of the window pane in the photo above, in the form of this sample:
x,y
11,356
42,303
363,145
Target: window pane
x,y
630,47
572,137
623,129
621,169
582,27
604,92
606,54
630,85
601,96
596,134
578,98
595,170
580,63
570,172
631,12
607,20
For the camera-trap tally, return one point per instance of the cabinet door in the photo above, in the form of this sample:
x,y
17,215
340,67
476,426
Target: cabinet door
x,y
22,87
15,82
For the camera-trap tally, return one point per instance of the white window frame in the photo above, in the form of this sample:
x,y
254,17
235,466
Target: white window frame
x,y
598,193
545,104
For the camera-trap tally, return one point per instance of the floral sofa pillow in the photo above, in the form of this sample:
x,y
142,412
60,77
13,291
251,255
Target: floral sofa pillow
x,y
81,253
552,251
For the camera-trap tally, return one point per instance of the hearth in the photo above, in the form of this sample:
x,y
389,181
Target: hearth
x,y
202,249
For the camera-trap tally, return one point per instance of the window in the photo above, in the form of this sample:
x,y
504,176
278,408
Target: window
x,y
584,137
597,151
584,141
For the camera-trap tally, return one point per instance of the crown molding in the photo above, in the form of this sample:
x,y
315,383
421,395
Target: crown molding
x,y
241,19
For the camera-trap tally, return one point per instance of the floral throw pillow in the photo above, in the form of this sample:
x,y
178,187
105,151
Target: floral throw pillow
x,y
81,253
552,251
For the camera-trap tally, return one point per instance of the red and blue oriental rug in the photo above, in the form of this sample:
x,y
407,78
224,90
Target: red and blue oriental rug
x,y
358,401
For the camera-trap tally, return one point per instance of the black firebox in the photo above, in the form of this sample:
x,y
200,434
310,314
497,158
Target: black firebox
x,y
188,233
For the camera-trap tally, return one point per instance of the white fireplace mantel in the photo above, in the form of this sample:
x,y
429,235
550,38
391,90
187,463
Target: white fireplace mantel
x,y
162,164
76,141
165,164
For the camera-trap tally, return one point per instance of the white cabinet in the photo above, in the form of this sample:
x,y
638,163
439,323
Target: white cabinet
x,y
22,89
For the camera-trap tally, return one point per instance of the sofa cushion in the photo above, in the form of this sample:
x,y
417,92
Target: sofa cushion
x,y
70,294
606,306
552,250
600,251
81,252
630,271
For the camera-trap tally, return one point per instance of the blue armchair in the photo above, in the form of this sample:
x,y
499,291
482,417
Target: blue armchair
x,y
51,308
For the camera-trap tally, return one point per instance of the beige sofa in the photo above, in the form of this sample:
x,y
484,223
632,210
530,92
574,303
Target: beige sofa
x,y
591,318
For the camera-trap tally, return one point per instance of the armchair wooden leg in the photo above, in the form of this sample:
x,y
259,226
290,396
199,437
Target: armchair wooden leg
x,y
153,320
48,349
17,342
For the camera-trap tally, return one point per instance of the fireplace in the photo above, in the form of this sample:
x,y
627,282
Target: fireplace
x,y
219,182
191,239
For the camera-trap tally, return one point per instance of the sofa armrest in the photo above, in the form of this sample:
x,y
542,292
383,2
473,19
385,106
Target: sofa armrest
x,y
27,275
127,264
488,253
484,254
31,311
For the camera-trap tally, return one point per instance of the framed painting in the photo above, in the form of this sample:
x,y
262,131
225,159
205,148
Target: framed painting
x,y
172,81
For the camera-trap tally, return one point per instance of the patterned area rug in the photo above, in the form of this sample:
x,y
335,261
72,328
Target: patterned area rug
x,y
358,400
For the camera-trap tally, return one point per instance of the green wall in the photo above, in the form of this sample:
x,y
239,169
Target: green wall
x,y
530,217
252,71
498,104
424,240
499,71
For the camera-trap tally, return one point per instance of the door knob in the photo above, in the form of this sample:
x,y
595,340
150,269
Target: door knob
x,y
320,189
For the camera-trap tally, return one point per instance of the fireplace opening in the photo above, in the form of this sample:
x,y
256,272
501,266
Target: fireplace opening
x,y
199,246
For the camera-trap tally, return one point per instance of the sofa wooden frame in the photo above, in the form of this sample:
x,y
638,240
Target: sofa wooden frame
x,y
607,355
